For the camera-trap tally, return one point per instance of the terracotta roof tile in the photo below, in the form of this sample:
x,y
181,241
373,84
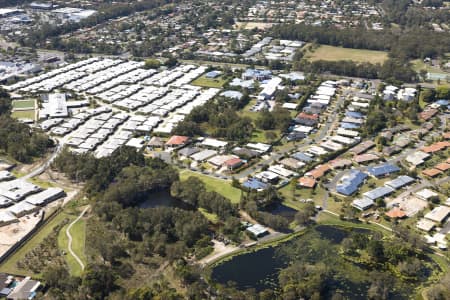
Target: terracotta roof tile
x,y
307,182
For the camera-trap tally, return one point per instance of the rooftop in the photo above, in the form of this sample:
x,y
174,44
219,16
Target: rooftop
x,y
177,140
382,170
438,214
307,182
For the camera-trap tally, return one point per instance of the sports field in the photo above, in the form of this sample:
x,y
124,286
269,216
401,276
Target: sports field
x,y
209,82
23,114
332,53
22,104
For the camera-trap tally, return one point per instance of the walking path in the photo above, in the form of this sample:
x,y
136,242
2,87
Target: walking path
x,y
69,236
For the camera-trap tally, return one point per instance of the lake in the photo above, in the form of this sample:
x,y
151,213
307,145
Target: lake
x,y
260,269
164,199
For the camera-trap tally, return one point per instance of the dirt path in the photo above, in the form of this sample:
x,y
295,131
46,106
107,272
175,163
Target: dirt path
x,y
69,236
220,250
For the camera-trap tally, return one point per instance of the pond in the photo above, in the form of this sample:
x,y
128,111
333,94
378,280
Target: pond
x,y
258,270
282,210
164,199
319,245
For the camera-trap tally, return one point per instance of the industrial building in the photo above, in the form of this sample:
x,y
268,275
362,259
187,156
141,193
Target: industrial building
x,y
46,196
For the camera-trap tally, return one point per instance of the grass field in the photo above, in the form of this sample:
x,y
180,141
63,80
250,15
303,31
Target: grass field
x,y
259,136
220,186
418,65
252,25
328,219
332,53
78,232
216,64
213,218
23,114
42,183
10,265
23,104
209,82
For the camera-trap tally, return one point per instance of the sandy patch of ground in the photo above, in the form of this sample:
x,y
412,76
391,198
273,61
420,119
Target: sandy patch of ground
x,y
251,25
220,249
12,233
409,204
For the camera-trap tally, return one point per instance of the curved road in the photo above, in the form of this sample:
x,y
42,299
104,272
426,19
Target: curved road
x,y
70,238
40,169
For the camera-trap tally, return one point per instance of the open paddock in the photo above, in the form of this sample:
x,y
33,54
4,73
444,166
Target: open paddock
x,y
202,81
24,114
331,53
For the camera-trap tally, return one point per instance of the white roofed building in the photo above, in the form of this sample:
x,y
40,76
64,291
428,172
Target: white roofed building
x,y
55,107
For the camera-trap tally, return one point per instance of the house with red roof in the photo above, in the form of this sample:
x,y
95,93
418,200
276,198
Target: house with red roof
x,y
307,119
234,163
177,141
307,182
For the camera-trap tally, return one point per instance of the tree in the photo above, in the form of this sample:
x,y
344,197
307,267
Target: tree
x,y
187,128
5,102
348,246
411,267
376,250
99,280
303,216
188,190
270,136
171,62
442,92
423,74
265,120
427,95
152,64
380,286
441,290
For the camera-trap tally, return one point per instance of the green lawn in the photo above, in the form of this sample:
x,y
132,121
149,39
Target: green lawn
x,y
418,65
213,218
23,114
332,53
78,232
245,112
329,219
202,81
10,265
23,104
303,193
217,64
259,136
42,183
220,186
